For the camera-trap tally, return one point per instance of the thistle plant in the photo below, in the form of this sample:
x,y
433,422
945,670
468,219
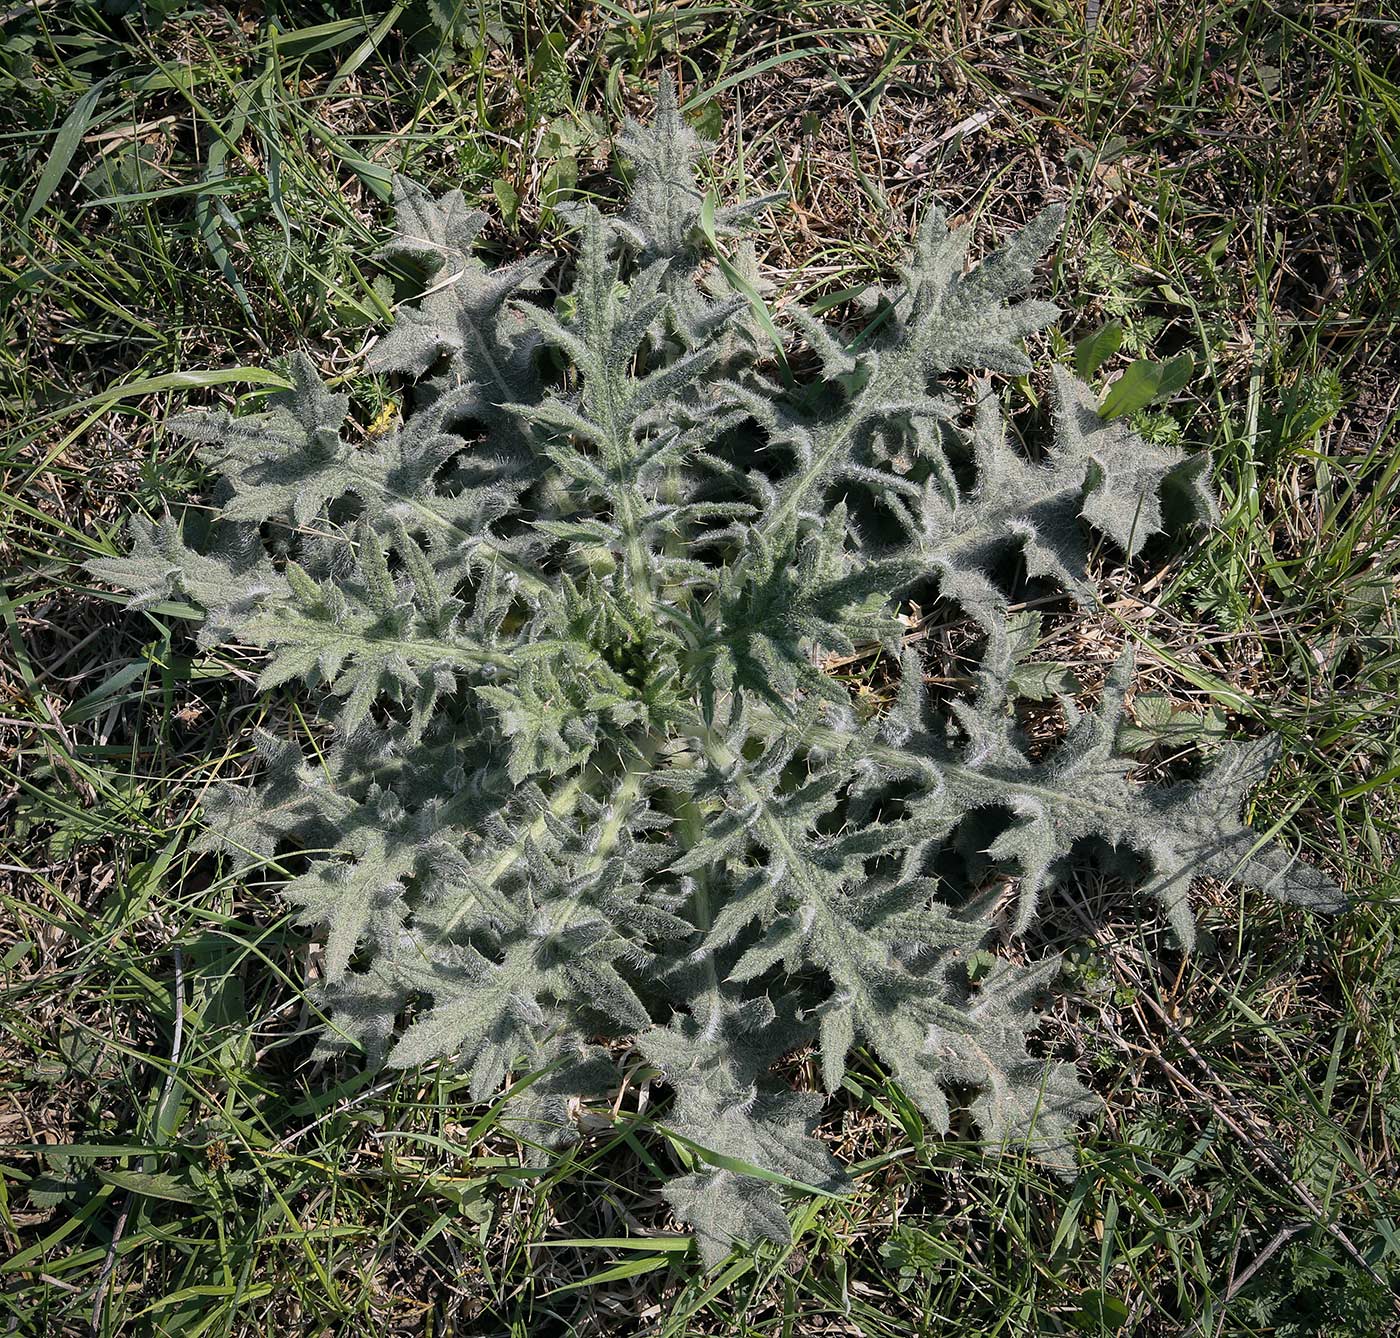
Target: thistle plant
x,y
583,792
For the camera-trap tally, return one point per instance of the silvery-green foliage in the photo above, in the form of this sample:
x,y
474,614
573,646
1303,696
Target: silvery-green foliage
x,y
583,781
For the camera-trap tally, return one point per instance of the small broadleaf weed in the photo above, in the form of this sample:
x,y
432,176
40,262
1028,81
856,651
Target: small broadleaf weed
x,y
584,781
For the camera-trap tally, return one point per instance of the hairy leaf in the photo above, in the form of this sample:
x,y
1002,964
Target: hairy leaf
x,y
578,770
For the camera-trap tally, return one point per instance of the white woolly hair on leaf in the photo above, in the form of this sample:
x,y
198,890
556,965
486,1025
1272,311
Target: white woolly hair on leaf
x,y
565,776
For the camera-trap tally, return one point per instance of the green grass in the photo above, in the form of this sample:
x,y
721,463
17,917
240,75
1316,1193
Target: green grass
x,y
182,200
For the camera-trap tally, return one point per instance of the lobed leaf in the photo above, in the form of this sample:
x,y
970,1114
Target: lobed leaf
x,y
583,772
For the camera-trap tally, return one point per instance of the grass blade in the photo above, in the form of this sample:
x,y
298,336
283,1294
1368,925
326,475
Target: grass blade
x,y
65,145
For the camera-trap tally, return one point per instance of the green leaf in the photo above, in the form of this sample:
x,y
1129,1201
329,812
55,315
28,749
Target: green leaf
x,y
1045,680
1100,1312
1158,722
629,1268
558,183
1146,381
170,1186
1095,349
65,145
508,200
759,307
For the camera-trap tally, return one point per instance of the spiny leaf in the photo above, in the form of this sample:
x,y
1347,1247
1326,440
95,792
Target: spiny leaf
x,y
577,772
